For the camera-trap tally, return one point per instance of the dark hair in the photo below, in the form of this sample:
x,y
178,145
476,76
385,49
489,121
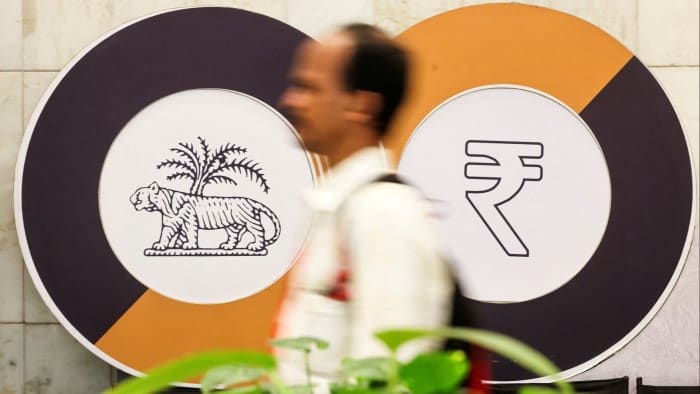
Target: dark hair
x,y
378,65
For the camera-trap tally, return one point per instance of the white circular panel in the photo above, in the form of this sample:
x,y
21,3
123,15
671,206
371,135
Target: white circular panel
x,y
175,244
521,187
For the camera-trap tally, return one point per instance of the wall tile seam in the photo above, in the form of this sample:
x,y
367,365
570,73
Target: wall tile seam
x,y
38,70
637,29
286,12
20,321
24,347
108,370
22,365
113,373
21,46
10,321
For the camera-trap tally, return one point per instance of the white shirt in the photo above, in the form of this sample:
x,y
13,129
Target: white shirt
x,y
398,279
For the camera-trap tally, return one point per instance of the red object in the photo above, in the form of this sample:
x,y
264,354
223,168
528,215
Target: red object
x,y
480,359
340,291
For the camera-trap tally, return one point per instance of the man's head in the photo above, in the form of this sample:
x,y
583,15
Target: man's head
x,y
345,89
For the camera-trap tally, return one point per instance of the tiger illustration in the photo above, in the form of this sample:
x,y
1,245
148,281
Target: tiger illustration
x,y
184,214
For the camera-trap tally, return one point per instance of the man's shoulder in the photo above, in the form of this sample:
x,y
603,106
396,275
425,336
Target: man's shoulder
x,y
387,198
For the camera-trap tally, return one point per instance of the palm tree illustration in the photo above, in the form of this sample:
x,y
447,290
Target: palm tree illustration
x,y
199,164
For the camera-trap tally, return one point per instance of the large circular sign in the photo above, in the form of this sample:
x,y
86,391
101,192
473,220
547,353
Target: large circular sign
x,y
521,174
158,192
561,169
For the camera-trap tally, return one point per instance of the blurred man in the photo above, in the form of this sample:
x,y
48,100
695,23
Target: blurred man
x,y
372,261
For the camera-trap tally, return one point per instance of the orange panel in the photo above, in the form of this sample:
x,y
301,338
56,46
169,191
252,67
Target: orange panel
x,y
554,52
157,329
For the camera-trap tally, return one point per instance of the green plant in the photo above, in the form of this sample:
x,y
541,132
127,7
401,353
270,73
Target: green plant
x,y
432,373
304,345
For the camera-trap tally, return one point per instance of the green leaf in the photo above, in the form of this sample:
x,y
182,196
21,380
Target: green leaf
x,y
228,375
180,370
393,339
346,388
435,372
265,388
305,344
241,390
374,368
511,348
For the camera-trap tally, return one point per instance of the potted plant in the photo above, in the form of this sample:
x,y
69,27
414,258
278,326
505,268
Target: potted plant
x,y
244,372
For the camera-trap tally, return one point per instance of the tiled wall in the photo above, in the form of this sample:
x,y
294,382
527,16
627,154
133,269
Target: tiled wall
x,y
38,37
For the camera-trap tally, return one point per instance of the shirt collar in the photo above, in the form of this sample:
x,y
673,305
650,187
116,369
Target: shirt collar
x,y
357,169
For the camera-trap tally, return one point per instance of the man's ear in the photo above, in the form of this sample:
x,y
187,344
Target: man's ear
x,y
365,107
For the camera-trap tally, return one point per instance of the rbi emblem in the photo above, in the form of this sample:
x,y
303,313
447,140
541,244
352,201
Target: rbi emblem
x,y
198,182
184,214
